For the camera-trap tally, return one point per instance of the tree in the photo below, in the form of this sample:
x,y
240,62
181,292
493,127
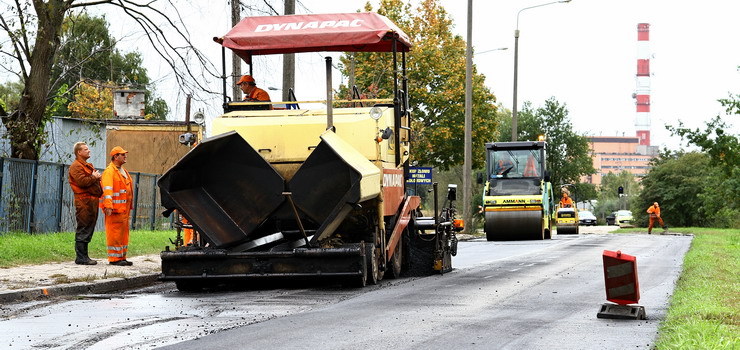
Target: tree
x,y
92,101
436,72
568,155
35,27
676,182
609,199
88,53
718,202
722,148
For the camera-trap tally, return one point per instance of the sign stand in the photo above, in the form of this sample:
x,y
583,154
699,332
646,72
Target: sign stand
x,y
622,287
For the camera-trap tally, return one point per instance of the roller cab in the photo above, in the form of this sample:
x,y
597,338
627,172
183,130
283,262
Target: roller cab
x,y
517,196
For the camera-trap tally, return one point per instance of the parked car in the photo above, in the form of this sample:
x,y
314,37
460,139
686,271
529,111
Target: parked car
x,y
611,218
585,217
624,218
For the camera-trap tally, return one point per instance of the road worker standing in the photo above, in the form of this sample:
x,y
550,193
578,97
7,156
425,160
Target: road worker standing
x,y
654,213
117,203
85,182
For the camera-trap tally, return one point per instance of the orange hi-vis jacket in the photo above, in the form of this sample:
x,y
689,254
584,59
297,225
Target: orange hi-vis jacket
x,y
118,191
258,95
531,170
566,202
654,211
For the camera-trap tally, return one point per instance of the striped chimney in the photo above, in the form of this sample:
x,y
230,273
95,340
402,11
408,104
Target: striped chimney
x,y
642,93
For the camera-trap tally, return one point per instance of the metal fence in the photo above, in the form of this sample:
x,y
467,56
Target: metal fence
x,y
35,197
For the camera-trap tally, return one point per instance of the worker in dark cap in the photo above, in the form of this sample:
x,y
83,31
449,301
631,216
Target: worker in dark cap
x,y
251,92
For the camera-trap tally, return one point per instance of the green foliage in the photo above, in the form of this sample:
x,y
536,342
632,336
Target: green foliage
x,y
676,183
436,72
608,198
88,52
568,155
585,192
717,202
10,93
26,249
58,106
704,311
155,108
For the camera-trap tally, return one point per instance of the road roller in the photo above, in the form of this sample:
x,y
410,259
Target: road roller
x,y
517,197
567,220
284,192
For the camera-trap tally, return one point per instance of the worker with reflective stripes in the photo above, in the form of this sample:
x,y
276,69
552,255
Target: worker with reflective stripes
x,y
117,203
654,213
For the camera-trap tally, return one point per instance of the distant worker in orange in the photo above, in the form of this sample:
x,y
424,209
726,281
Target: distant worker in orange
x,y
188,233
565,201
117,202
251,92
654,212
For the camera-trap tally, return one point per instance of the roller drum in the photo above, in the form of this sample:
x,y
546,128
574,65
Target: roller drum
x,y
514,225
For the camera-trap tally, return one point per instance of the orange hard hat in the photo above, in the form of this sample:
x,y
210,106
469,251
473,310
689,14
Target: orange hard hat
x,y
245,79
117,150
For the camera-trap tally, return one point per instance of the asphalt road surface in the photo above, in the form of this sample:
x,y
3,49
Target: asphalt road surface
x,y
502,295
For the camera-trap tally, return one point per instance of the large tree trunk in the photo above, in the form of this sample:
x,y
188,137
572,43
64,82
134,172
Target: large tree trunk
x,y
25,126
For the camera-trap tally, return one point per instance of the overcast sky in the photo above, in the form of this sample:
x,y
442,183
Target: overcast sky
x,y
583,53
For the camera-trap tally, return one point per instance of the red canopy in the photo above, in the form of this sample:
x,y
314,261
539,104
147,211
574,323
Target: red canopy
x,y
346,32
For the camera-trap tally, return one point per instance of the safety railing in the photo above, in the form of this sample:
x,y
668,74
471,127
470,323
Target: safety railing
x,y
35,197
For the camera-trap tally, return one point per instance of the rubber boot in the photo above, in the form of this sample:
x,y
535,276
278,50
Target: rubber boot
x,y
82,257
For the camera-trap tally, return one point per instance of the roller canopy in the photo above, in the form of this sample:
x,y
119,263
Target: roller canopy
x,y
343,32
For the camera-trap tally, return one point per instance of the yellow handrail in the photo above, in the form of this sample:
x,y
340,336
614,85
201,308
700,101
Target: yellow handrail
x,y
242,103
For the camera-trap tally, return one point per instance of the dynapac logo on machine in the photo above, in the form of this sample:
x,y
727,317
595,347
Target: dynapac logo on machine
x,y
392,180
308,25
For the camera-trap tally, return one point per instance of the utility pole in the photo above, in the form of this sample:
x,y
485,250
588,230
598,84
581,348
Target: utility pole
x,y
288,59
351,74
467,166
236,62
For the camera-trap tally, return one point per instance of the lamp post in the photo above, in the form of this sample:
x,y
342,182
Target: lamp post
x,y
497,49
468,132
516,63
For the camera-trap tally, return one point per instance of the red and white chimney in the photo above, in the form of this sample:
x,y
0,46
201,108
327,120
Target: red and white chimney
x,y
642,93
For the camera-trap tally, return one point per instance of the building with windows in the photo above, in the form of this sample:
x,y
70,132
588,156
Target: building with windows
x,y
614,154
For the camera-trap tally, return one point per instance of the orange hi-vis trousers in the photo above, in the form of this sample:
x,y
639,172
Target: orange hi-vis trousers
x,y
654,218
116,236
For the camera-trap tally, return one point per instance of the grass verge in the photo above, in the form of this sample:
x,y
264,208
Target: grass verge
x,y
705,307
25,249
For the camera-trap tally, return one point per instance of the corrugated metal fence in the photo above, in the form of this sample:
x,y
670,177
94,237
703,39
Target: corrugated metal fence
x,y
35,197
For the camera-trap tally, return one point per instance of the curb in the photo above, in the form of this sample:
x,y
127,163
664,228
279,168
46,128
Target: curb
x,y
95,287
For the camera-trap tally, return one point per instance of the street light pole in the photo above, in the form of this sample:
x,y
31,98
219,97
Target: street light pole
x,y
516,64
468,144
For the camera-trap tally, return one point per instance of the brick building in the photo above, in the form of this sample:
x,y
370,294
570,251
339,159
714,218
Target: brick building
x,y
614,154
